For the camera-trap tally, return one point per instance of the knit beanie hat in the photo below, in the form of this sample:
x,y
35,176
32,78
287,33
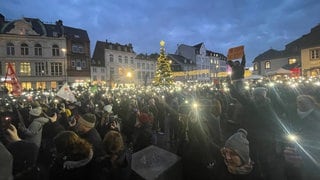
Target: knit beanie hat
x,y
260,91
36,109
87,120
238,142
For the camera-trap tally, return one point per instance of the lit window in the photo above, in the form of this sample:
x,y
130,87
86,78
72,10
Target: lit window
x,y
267,65
13,65
292,60
10,49
25,69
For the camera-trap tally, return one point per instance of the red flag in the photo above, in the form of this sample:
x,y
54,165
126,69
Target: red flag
x,y
16,86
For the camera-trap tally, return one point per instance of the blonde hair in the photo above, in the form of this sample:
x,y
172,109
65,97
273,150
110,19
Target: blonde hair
x,y
113,142
71,145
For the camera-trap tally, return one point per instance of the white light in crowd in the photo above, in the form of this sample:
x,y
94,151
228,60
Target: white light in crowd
x,y
186,101
271,84
292,137
247,87
195,105
317,83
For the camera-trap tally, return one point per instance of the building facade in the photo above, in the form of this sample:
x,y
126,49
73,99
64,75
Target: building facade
x,y
310,61
300,51
200,64
40,53
118,61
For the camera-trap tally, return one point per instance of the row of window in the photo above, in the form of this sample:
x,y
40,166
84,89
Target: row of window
x,y
267,64
126,61
24,50
40,68
314,54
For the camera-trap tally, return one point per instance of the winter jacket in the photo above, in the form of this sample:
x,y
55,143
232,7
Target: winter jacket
x,y
34,131
67,168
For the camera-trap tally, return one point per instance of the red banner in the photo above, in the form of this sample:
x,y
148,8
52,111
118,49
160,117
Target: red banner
x,y
16,86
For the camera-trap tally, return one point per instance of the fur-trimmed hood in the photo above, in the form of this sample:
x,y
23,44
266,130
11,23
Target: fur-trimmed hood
x,y
76,164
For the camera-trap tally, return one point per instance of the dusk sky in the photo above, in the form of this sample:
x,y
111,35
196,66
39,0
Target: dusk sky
x,y
220,24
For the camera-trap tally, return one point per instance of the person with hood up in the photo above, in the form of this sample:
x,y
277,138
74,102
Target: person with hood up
x,y
33,132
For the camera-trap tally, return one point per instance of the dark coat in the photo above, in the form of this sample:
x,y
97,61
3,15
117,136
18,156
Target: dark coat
x,y
309,135
25,156
237,70
93,137
77,169
119,170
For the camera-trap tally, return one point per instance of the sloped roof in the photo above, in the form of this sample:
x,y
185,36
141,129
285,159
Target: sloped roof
x,y
98,54
181,59
76,33
270,54
49,30
293,48
37,25
307,40
216,54
198,46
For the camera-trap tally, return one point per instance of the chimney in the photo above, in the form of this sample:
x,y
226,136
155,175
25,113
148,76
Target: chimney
x,y
59,24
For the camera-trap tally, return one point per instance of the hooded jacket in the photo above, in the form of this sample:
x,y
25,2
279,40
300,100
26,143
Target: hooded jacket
x,y
34,132
64,167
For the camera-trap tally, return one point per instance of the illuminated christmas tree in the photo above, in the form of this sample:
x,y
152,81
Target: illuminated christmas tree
x,y
163,76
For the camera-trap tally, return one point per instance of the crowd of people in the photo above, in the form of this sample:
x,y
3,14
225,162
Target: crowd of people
x,y
220,131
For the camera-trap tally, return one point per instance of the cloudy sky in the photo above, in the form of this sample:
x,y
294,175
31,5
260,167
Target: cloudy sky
x,y
220,24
